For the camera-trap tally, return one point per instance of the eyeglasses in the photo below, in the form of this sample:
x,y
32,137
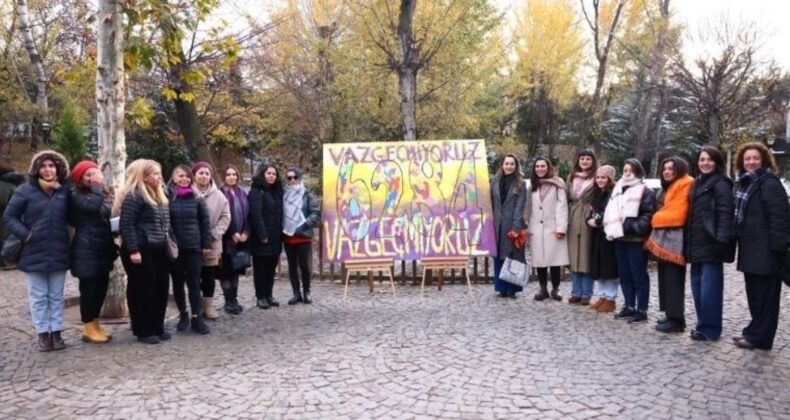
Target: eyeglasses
x,y
292,178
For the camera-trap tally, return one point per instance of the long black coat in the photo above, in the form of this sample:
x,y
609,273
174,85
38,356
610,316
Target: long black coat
x,y
142,224
92,248
266,219
763,234
710,230
603,261
190,221
47,250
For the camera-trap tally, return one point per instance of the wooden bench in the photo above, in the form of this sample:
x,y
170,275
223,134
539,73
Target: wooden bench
x,y
441,264
369,265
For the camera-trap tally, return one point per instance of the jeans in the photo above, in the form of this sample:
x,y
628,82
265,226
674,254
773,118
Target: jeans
x,y
581,285
707,287
607,288
634,280
45,292
502,286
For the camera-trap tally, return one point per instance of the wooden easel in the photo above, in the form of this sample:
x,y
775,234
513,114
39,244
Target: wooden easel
x,y
441,264
369,265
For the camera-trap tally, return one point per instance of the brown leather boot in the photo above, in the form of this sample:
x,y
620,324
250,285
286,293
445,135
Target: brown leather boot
x,y
597,304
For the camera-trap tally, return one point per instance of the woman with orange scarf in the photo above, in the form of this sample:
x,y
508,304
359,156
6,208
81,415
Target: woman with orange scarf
x,y
666,242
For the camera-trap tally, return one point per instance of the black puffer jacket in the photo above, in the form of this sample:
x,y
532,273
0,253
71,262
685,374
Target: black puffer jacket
x,y
639,228
190,221
266,218
142,224
92,248
763,234
710,230
47,250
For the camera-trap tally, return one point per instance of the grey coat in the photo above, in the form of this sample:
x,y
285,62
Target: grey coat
x,y
508,216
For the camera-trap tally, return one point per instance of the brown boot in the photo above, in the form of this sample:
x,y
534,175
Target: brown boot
x,y
607,307
92,335
101,330
597,304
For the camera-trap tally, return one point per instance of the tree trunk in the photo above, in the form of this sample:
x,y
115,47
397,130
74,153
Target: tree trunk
x,y
110,102
42,101
188,118
407,69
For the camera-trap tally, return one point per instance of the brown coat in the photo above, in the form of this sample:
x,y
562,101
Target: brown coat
x,y
579,234
219,218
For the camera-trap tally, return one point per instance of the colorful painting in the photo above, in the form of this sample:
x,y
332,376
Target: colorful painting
x,y
406,200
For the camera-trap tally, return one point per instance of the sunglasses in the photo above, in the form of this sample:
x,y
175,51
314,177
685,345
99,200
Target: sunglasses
x,y
292,178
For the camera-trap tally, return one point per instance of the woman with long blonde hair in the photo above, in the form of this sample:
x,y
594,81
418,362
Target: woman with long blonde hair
x,y
145,225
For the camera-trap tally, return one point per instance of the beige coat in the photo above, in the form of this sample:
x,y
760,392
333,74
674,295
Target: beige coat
x,y
219,218
579,233
545,219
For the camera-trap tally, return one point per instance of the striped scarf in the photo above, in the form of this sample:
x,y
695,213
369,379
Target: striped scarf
x,y
746,183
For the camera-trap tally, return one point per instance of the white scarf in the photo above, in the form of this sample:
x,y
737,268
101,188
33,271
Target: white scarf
x,y
293,217
622,205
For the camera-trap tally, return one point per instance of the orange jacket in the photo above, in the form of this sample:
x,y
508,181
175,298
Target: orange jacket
x,y
676,205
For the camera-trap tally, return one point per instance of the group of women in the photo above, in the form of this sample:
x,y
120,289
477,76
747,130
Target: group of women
x,y
188,230
606,230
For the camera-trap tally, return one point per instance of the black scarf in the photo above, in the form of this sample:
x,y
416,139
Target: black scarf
x,y
504,186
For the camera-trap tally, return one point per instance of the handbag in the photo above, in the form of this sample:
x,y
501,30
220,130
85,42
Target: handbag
x,y
239,260
172,248
13,246
515,272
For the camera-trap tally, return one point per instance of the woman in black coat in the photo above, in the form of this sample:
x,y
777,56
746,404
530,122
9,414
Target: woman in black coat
x,y
192,232
603,261
92,248
266,223
37,216
762,218
145,223
710,241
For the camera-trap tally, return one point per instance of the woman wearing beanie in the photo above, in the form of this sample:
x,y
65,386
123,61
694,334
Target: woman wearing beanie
x,y
627,223
190,221
266,223
710,241
37,216
762,220
603,263
219,219
301,213
666,243
508,195
145,225
546,213
92,248
580,194
235,239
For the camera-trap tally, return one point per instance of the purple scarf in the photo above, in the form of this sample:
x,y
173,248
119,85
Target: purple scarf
x,y
239,210
182,192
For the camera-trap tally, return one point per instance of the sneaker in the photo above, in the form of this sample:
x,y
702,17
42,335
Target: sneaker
x,y
625,313
663,320
198,325
638,318
183,322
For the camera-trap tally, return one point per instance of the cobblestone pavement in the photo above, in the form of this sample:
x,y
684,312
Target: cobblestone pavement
x,y
380,356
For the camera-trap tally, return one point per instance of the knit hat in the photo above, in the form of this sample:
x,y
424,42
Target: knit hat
x,y
200,165
80,169
607,170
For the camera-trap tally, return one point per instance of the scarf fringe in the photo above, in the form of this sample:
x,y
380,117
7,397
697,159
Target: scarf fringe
x,y
663,254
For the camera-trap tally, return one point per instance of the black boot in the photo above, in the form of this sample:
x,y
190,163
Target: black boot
x,y
57,341
237,308
229,306
198,325
296,299
183,321
555,294
272,301
44,342
542,294
306,297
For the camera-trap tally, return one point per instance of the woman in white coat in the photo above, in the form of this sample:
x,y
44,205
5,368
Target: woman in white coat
x,y
547,215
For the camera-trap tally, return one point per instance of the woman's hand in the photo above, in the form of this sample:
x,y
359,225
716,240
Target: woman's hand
x,y
559,235
136,258
591,223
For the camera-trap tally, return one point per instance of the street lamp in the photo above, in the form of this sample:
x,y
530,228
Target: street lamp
x,y
45,130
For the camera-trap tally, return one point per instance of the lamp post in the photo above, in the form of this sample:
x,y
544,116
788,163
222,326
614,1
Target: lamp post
x,y
45,130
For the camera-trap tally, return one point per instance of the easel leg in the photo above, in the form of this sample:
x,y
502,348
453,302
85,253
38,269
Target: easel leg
x,y
345,290
370,281
392,280
422,287
468,281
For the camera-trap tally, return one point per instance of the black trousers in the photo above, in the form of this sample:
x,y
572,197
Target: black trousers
x,y
185,270
264,269
299,261
762,294
208,276
93,290
672,290
543,274
146,290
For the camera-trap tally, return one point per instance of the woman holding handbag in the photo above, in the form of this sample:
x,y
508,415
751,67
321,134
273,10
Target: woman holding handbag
x,y
36,216
546,213
235,256
508,194
219,219
710,241
145,225
666,243
92,248
191,228
301,214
